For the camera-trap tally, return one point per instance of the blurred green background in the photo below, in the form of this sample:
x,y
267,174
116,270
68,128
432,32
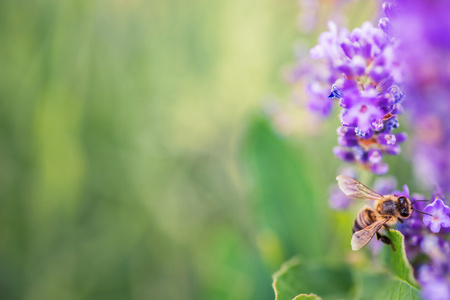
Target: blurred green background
x,y
134,160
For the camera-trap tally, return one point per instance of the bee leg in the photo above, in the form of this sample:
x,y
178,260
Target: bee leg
x,y
400,220
385,240
378,236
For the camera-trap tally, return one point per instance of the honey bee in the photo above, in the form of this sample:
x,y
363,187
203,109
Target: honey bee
x,y
388,209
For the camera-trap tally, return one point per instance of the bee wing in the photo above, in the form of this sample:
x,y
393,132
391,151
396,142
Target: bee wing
x,y
355,189
362,237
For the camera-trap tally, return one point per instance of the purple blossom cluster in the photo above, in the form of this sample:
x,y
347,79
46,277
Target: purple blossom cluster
x,y
422,29
427,247
368,72
363,75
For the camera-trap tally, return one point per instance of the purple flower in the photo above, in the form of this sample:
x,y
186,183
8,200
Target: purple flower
x,y
421,29
318,101
434,275
385,185
380,168
329,43
385,25
434,285
361,110
338,200
363,71
335,92
440,215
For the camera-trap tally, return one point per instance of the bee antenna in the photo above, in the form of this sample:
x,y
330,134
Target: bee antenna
x,y
418,200
422,212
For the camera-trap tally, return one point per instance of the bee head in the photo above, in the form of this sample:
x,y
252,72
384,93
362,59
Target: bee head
x,y
404,206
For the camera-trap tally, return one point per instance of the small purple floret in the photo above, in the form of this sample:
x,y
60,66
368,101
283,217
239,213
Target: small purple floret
x,y
335,92
392,124
440,215
385,25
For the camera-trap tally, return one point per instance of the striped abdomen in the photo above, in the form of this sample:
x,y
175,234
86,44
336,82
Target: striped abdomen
x,y
365,217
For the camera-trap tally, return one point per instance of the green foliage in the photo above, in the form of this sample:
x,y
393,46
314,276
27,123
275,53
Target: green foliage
x,y
397,260
119,144
327,281
284,190
307,297
349,282
382,285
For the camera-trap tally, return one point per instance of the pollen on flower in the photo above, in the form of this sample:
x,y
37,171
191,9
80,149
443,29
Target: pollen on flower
x,y
363,109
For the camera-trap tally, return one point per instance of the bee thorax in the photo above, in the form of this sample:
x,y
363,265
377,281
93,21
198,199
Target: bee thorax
x,y
387,208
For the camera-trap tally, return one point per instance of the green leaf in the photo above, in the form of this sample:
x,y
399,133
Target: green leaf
x,y
381,286
288,189
307,297
296,277
397,260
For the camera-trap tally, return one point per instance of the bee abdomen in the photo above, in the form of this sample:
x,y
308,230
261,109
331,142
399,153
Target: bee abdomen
x,y
365,218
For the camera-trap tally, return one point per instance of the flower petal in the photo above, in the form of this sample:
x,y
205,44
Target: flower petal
x,y
438,204
435,226
427,220
445,221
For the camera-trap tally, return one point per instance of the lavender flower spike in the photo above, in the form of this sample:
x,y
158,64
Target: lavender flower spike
x,y
440,217
363,73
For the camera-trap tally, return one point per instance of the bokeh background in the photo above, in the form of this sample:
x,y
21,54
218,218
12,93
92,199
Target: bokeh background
x,y
135,160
